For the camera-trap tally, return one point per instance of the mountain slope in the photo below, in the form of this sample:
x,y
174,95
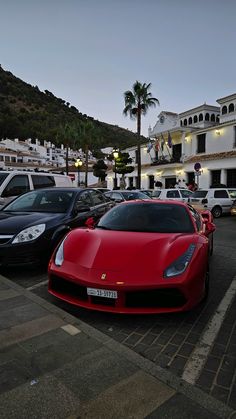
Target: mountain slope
x,y
26,112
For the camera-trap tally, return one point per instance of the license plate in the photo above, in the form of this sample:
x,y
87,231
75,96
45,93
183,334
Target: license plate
x,y
101,293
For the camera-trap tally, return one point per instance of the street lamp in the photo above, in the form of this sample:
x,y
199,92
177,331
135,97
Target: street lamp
x,y
78,165
115,153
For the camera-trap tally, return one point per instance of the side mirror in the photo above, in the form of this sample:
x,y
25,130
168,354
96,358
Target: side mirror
x,y
90,223
210,227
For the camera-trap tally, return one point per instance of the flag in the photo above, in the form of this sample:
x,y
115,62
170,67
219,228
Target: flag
x,y
157,145
149,147
162,142
169,140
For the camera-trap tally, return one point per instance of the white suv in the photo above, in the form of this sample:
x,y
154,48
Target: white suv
x,y
174,193
217,200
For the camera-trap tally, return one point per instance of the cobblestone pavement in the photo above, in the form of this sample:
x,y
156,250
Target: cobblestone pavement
x,y
169,340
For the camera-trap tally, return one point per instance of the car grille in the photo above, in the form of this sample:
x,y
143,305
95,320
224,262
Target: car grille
x,y
62,286
168,297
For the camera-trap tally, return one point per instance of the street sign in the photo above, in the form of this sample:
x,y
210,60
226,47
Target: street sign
x,y
197,167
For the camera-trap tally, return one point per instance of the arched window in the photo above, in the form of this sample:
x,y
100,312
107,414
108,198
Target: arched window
x,y
207,116
213,117
190,120
185,121
231,107
218,118
200,117
195,118
224,110
181,123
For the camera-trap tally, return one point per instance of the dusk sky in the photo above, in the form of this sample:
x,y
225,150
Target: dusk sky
x,y
88,52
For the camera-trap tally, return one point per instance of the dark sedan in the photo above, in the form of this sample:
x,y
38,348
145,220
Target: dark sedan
x,y
34,223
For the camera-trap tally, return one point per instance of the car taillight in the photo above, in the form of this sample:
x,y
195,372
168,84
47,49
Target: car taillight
x,y
205,201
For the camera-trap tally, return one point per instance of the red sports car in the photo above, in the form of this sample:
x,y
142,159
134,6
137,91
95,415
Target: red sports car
x,y
143,256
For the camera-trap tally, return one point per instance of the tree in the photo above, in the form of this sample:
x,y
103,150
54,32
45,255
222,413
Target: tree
x,y
123,167
70,135
137,103
99,170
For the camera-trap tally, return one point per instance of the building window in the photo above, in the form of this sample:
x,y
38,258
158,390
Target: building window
x,y
231,107
136,156
190,120
207,117
201,143
7,158
234,137
213,118
231,178
151,182
177,152
215,178
195,119
185,122
217,118
181,123
224,110
200,117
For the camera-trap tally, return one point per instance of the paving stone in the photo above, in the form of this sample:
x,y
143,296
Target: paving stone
x,y
206,379
170,350
149,339
21,314
212,363
178,364
133,339
186,349
89,375
12,375
192,338
137,396
220,393
179,406
14,302
229,362
224,378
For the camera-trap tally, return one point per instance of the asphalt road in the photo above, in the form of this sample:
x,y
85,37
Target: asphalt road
x,y
170,340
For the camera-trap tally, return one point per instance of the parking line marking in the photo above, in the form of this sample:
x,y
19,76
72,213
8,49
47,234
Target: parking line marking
x,y
199,356
37,285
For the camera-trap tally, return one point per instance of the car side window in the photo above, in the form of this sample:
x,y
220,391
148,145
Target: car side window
x,y
221,194
116,195
17,186
173,194
97,197
186,193
85,198
40,181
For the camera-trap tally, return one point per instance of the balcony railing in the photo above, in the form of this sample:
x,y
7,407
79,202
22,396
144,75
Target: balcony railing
x,y
166,160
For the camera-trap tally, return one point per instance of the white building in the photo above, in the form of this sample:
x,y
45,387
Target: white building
x,y
205,135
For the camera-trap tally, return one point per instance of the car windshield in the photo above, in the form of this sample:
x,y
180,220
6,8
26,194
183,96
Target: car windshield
x,y
148,217
41,201
232,193
199,194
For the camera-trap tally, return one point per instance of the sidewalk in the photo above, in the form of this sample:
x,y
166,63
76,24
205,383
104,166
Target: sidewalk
x,y
52,365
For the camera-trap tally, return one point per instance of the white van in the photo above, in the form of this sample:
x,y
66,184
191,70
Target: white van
x,y
14,183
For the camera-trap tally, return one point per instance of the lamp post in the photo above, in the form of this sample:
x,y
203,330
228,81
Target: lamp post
x,y
78,165
115,153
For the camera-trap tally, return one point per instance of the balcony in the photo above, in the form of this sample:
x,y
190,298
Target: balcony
x,y
163,160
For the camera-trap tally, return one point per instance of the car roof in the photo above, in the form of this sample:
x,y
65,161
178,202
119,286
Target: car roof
x,y
156,202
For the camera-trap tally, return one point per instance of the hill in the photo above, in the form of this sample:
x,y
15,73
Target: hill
x,y
27,112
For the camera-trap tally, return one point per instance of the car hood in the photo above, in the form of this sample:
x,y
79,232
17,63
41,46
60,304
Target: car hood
x,y
12,222
90,253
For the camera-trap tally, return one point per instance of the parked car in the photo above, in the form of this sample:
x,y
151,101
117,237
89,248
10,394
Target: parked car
x,y
144,256
233,208
14,183
125,195
148,192
173,193
33,224
217,200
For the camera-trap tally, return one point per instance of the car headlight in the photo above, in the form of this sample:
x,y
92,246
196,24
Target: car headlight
x,y
29,234
179,265
59,256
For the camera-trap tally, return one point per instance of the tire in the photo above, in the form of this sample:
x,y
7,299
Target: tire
x,y
216,212
207,283
212,245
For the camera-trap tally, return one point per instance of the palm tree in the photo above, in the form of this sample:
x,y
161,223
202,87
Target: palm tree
x,y
137,103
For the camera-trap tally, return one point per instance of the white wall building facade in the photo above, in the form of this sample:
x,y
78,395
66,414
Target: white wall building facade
x,y
205,135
